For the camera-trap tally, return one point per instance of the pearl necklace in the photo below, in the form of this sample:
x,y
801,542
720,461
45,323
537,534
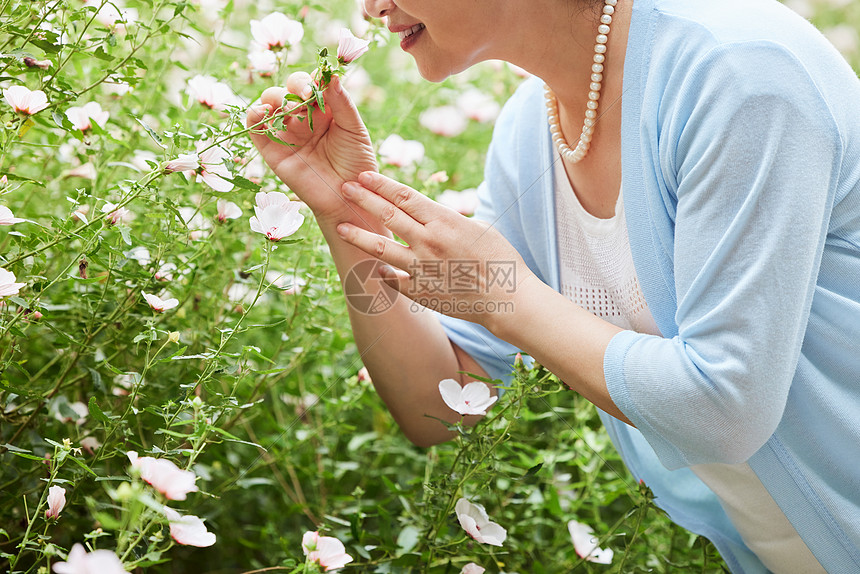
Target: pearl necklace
x,y
574,155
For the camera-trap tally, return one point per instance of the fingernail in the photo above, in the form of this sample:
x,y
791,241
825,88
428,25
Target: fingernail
x,y
348,189
342,229
365,178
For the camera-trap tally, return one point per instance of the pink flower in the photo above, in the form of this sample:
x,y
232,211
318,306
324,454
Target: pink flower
x,y
396,151
276,32
213,172
25,101
8,287
349,48
276,216
6,217
364,375
95,562
31,62
115,214
478,106
56,501
326,551
167,478
474,520
264,62
183,162
472,568
228,210
447,121
158,304
188,530
585,544
212,93
473,399
464,202
82,118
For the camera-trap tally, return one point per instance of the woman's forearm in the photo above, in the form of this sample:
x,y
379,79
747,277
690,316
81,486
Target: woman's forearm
x,y
405,350
563,337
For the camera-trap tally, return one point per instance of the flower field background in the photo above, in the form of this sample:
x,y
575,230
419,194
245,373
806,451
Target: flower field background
x,y
179,390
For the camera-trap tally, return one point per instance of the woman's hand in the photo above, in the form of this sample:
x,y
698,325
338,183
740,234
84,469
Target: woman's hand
x,y
315,163
455,265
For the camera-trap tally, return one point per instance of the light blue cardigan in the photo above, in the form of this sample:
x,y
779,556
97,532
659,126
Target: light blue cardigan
x,y
741,176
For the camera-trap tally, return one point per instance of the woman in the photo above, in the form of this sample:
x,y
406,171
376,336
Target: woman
x,y
703,224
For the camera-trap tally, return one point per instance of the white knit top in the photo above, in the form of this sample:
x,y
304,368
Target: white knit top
x,y
597,273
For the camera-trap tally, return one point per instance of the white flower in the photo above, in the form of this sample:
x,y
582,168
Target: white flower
x,y
472,568
25,101
276,216
188,530
473,399
394,150
478,105
143,160
447,121
585,543
82,118
6,217
264,62
327,551
213,172
349,48
474,520
158,305
95,562
212,93
140,254
194,222
276,31
464,202
8,286
228,210
167,478
183,162
56,501
117,215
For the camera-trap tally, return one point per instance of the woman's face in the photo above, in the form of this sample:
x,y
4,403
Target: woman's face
x,y
444,36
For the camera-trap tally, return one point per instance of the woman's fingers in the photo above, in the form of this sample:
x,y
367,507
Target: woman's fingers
x,y
383,248
417,205
389,214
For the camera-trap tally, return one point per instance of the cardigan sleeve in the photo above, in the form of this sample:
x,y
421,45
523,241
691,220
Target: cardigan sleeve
x,y
750,155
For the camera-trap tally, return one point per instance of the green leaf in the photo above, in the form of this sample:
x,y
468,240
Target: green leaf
x,y
96,412
155,137
407,539
83,466
243,183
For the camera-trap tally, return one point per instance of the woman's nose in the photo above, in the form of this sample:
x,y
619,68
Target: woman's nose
x,y
378,8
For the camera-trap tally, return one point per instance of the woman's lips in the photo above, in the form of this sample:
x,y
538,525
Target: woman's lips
x,y
410,35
